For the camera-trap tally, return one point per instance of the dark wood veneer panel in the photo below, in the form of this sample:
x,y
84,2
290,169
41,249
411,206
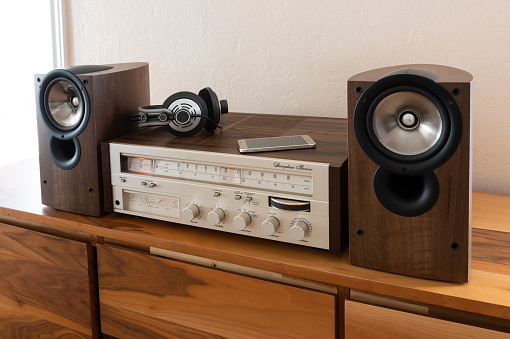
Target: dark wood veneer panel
x,y
330,135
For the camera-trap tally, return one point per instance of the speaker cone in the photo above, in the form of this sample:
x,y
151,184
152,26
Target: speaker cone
x,y
407,123
64,104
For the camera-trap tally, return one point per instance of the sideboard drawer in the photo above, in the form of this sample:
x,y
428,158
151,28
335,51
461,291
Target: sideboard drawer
x,y
368,321
143,296
44,286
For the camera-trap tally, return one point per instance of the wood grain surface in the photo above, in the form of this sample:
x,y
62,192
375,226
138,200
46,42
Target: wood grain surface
x,y
44,286
151,297
19,324
443,313
493,213
416,246
367,321
329,134
487,292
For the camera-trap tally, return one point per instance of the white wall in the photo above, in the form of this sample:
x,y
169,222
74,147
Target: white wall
x,y
25,50
294,57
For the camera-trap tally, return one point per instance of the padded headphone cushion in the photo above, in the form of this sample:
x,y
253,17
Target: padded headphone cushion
x,y
213,107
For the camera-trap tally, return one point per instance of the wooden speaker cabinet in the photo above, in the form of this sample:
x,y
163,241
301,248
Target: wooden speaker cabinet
x,y
409,140
78,108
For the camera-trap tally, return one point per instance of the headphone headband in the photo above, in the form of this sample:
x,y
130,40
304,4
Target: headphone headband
x,y
184,113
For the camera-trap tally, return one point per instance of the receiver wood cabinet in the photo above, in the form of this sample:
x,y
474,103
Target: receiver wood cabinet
x,y
44,286
152,297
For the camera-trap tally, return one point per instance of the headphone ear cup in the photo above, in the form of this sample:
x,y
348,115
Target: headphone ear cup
x,y
213,108
183,105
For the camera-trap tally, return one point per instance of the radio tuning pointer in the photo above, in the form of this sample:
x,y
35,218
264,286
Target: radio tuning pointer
x,y
190,212
215,216
270,225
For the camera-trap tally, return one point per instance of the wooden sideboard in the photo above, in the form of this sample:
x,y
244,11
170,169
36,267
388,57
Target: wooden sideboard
x,y
70,275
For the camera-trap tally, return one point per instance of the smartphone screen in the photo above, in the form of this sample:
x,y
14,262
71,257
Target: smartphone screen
x,y
275,143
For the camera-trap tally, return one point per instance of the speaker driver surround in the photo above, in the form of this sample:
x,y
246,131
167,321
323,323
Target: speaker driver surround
x,y
407,123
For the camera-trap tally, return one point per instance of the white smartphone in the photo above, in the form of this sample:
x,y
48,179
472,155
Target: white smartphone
x,y
275,143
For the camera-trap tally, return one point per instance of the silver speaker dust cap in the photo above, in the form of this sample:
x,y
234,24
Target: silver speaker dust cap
x,y
65,104
407,123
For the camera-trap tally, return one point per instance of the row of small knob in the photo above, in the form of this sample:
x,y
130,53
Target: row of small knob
x,y
298,230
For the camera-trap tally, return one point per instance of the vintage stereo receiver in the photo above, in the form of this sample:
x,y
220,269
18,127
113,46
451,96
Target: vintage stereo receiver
x,y
296,196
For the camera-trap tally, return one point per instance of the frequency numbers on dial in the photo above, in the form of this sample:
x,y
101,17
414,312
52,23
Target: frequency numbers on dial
x,y
251,178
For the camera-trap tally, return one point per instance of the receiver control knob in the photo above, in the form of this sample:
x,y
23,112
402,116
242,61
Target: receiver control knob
x,y
242,220
299,230
215,216
190,212
270,225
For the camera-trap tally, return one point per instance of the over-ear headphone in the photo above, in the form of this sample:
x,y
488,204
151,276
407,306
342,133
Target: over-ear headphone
x,y
185,113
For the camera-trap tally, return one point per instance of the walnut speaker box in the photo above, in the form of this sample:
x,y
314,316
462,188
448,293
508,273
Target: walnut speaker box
x,y
409,141
78,108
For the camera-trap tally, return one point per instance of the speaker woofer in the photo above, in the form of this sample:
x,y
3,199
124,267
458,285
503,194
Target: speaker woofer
x,y
63,103
407,123
65,106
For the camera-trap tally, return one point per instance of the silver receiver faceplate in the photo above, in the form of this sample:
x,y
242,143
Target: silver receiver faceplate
x,y
281,200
